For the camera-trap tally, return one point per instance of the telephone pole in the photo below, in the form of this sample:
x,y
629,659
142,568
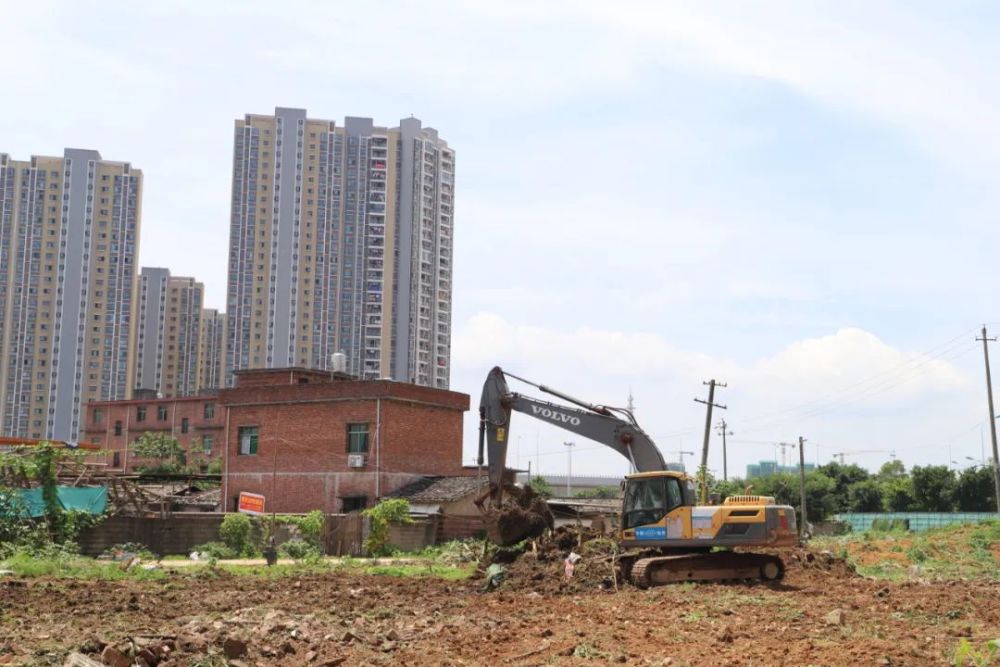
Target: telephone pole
x,y
802,483
993,421
724,430
710,403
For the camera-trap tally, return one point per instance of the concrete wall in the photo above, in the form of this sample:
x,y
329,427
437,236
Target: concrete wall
x,y
175,534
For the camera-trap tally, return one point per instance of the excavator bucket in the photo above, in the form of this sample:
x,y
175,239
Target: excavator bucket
x,y
522,514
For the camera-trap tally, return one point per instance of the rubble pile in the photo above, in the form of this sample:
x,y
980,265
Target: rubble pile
x,y
569,559
249,636
823,561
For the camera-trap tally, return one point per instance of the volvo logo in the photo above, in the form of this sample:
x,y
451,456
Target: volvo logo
x,y
549,413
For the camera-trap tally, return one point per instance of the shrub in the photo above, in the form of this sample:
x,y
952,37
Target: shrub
x,y
391,510
236,532
215,550
299,550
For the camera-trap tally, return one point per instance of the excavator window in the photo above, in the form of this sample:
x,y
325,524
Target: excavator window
x,y
648,500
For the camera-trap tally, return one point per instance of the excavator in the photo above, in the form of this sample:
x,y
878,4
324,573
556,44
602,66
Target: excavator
x,y
665,535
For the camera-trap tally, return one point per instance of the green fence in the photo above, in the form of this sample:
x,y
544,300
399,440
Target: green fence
x,y
862,521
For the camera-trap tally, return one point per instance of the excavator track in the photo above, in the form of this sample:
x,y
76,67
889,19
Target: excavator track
x,y
717,566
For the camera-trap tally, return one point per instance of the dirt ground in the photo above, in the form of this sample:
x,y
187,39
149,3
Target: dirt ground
x,y
816,616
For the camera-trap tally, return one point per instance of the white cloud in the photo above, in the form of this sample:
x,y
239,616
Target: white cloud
x,y
815,385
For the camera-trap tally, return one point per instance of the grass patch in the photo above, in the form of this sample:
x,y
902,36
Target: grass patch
x,y
77,567
960,551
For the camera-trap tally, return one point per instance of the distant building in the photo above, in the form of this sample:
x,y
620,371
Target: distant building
x,y
69,234
168,333
341,240
212,350
768,468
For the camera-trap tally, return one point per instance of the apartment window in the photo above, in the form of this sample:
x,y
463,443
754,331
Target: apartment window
x,y
161,413
209,411
206,444
140,413
248,440
118,427
98,415
357,438
185,425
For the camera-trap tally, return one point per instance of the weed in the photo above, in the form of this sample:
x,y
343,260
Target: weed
x,y
693,616
968,654
588,652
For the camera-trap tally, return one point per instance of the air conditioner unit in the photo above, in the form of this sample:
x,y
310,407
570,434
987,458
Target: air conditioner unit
x,y
355,460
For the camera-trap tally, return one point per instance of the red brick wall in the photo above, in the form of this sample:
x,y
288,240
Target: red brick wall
x,y
301,460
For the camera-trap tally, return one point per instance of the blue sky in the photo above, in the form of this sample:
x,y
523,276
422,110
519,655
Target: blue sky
x,y
797,199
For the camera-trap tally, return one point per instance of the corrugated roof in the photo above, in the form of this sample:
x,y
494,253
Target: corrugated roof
x,y
434,490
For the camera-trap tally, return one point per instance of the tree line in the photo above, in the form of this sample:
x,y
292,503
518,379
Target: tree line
x,y
836,488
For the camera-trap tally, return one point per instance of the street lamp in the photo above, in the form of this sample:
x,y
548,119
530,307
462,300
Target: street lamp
x,y
569,461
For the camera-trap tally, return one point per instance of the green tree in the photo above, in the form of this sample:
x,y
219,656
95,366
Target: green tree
x,y
541,486
893,469
170,457
843,476
865,496
934,488
732,487
897,495
974,490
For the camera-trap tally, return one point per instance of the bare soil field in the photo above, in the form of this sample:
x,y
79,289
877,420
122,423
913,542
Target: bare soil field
x,y
821,614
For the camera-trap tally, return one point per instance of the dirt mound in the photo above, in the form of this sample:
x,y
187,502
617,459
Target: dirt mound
x,y
825,561
541,565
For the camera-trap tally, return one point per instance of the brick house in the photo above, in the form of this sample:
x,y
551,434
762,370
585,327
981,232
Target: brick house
x,y
196,421
305,439
308,441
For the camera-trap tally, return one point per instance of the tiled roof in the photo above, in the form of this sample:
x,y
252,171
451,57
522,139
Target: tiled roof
x,y
431,490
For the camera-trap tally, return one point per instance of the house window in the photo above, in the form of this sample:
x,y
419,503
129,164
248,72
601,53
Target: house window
x,y
357,438
115,460
184,425
210,411
206,445
140,413
118,427
161,413
248,440
98,415
353,503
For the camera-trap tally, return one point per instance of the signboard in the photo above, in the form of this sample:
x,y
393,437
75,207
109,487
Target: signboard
x,y
251,503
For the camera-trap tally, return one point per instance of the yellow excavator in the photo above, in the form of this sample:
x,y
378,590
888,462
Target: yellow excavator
x,y
665,535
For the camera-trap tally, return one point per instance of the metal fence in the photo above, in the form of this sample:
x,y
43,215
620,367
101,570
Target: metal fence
x,y
862,521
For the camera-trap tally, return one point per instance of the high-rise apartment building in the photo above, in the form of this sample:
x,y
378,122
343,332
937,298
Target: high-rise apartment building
x,y
212,350
69,233
341,240
168,331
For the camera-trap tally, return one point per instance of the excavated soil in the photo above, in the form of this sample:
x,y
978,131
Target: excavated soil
x,y
821,614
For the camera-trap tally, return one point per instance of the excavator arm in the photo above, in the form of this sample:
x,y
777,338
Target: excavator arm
x,y
596,422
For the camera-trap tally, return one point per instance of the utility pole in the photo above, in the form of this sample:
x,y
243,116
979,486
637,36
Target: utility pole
x,y
724,430
993,420
569,475
710,403
802,483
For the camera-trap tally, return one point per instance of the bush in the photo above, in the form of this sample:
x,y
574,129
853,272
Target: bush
x,y
236,532
391,510
299,550
310,527
217,550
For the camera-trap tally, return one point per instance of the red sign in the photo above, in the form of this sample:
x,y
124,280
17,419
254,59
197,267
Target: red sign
x,y
251,503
